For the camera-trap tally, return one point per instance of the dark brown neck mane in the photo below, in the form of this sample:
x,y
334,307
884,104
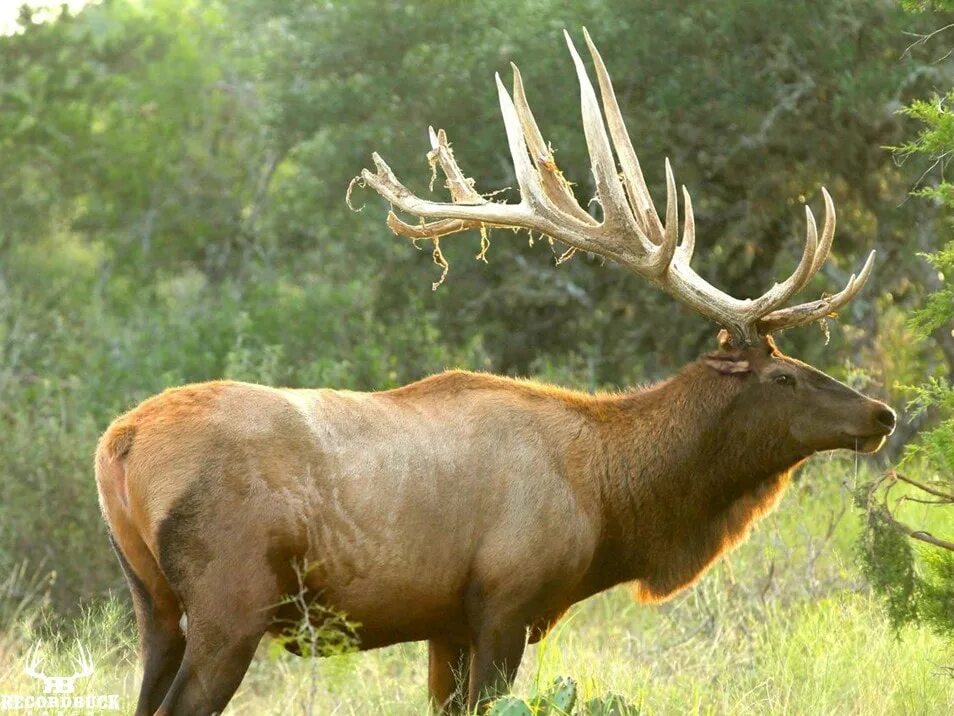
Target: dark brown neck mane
x,y
685,469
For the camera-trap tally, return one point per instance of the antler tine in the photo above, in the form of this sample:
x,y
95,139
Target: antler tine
x,y
554,185
429,229
781,292
670,237
688,244
828,233
821,252
805,313
824,244
461,189
629,162
616,212
531,189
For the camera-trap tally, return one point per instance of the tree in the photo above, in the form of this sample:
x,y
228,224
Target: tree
x,y
908,544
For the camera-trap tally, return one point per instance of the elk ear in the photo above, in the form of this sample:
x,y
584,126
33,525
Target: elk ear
x,y
728,359
727,363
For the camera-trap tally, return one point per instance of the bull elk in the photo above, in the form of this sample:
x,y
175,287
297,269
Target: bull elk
x,y
467,509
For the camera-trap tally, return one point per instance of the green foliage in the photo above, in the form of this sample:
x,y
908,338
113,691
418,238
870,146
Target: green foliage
x,y
510,706
916,581
558,700
937,590
611,705
936,312
887,563
317,630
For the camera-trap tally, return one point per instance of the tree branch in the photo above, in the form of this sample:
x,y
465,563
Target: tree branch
x,y
884,512
921,486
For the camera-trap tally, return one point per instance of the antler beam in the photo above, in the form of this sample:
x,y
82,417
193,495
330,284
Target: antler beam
x,y
631,232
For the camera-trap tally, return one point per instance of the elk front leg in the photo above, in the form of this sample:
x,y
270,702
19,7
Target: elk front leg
x,y
448,666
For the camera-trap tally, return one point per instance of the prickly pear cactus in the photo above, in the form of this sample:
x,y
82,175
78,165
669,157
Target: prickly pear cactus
x,y
509,706
558,700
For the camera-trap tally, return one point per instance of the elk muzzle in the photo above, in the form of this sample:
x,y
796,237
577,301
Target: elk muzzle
x,y
877,424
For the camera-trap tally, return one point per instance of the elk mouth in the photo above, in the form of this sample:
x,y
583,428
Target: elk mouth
x,y
866,443
872,437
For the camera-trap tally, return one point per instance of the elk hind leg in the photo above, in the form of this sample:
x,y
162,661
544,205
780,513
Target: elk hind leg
x,y
220,568
228,613
157,611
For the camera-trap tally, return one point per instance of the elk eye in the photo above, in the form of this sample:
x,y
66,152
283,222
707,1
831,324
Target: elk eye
x,y
784,379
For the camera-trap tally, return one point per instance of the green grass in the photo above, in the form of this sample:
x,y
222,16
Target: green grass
x,y
783,626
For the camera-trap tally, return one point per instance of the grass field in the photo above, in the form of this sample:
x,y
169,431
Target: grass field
x,y
783,626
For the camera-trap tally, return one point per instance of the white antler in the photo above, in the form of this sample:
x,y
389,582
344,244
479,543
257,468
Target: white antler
x,y
631,233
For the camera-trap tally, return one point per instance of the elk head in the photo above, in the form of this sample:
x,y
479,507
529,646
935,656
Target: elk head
x,y
819,412
810,410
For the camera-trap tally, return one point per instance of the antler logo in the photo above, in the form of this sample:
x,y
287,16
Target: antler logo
x,y
60,684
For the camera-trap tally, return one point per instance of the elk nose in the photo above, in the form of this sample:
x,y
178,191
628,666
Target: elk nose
x,y
887,419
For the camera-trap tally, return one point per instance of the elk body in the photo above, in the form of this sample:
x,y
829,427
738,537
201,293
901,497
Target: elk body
x,y
467,509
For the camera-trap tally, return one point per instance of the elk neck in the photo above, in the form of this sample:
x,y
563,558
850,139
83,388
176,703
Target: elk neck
x,y
683,469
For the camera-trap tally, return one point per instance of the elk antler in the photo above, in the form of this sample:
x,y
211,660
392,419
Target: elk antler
x,y
631,233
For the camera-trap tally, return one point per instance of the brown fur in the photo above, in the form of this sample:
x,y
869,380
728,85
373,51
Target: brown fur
x,y
465,509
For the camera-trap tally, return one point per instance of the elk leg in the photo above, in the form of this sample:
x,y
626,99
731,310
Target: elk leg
x,y
498,648
448,663
163,646
230,602
220,645
157,613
